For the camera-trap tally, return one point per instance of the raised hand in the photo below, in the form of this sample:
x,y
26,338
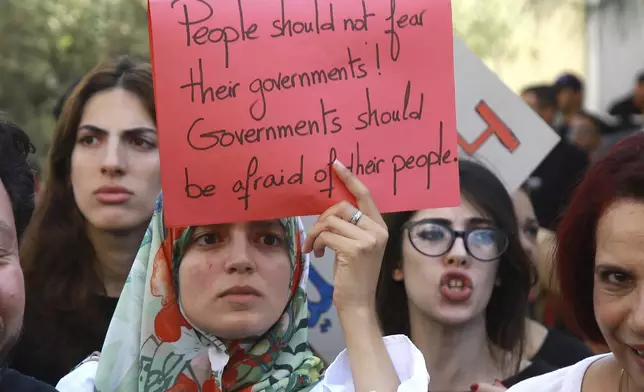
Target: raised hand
x,y
358,236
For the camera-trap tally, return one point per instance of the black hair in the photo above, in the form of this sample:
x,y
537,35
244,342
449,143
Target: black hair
x,y
15,173
569,81
505,313
546,95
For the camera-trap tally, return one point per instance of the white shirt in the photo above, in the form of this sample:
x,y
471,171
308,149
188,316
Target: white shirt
x,y
568,379
407,359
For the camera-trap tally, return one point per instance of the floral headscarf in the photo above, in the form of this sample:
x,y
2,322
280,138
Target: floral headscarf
x,y
151,346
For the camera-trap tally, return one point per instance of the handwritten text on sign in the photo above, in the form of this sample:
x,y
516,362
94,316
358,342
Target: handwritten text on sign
x,y
256,99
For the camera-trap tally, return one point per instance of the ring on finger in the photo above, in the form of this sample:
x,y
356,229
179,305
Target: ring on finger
x,y
355,218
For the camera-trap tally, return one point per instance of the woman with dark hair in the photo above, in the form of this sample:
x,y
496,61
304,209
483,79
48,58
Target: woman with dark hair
x,y
98,196
549,345
601,274
456,281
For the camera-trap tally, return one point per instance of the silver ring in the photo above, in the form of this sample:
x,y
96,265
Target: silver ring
x,y
355,218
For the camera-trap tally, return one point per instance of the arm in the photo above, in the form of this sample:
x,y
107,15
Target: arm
x,y
358,236
371,366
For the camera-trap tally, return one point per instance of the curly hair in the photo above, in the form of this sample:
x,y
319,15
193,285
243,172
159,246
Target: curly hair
x,y
15,173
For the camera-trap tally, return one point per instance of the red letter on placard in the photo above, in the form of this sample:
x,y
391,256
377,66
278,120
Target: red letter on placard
x,y
494,127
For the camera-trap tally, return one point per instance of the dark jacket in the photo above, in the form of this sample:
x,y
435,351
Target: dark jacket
x,y
555,179
12,381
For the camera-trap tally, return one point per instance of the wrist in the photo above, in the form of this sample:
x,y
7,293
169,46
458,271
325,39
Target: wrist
x,y
361,317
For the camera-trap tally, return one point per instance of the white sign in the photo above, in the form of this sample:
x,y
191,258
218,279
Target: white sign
x,y
495,128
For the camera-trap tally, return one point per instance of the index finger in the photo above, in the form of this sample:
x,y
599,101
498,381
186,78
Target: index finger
x,y
365,202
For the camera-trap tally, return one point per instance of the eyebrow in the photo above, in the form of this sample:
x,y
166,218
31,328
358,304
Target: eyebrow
x,y
470,222
479,221
135,131
272,223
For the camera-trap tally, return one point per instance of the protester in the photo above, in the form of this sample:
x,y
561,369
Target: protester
x,y
92,213
600,270
456,281
556,176
16,205
569,90
549,345
223,308
586,133
630,107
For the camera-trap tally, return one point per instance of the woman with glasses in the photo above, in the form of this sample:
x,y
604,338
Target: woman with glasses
x,y
456,281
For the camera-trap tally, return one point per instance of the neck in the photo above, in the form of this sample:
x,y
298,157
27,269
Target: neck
x,y
115,253
456,356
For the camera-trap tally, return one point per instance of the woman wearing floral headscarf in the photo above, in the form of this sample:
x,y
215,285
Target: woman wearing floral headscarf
x,y
223,308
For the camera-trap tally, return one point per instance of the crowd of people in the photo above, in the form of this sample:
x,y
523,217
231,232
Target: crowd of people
x,y
532,291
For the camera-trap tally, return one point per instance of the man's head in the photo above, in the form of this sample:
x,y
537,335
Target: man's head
x,y
639,90
570,93
16,207
542,99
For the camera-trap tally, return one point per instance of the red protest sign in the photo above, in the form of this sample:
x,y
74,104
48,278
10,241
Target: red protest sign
x,y
256,98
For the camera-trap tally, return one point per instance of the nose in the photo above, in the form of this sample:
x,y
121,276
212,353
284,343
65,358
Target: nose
x,y
114,159
240,260
457,255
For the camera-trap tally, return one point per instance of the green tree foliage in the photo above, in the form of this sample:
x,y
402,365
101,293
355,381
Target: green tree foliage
x,y
46,45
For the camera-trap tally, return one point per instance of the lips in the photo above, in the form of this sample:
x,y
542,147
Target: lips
x,y
456,287
240,291
638,355
113,194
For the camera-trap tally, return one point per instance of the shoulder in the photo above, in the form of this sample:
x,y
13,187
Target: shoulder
x,y
568,379
14,381
80,379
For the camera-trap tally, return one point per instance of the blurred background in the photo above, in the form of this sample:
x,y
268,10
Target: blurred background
x,y
46,46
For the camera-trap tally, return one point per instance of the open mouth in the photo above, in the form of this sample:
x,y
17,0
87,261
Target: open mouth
x,y
456,287
639,353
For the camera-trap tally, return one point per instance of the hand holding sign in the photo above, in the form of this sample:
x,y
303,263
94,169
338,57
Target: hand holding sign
x,y
257,98
358,237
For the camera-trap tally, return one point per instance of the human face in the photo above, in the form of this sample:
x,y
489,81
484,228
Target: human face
x,y
547,114
115,170
584,134
528,225
569,100
12,290
639,95
429,281
234,279
618,292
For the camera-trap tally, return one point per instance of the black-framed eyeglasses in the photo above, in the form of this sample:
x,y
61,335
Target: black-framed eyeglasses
x,y
434,238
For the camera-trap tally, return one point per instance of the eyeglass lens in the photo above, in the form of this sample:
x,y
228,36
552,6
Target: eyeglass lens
x,y
433,239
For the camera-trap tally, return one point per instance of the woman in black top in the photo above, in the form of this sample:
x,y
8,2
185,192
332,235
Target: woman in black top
x,y
456,281
554,347
91,215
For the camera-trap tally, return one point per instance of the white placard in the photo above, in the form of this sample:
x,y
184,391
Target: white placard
x,y
518,138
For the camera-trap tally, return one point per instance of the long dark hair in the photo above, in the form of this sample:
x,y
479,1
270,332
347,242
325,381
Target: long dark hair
x,y
56,254
506,311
